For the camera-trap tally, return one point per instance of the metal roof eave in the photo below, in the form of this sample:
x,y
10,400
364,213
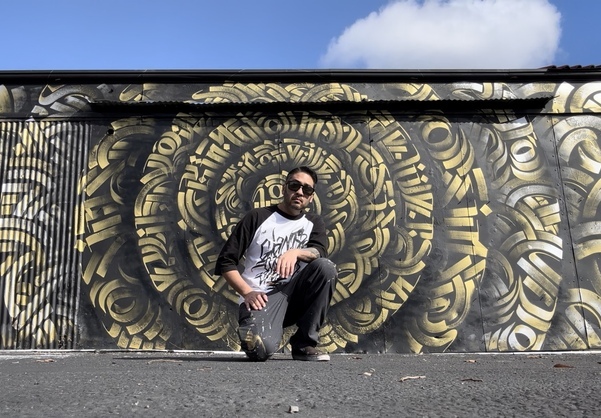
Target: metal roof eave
x,y
547,74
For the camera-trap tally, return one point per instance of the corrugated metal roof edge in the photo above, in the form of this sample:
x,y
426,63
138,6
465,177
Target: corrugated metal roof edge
x,y
299,75
411,104
572,67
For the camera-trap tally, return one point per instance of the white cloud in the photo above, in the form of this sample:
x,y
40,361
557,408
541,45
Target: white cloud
x,y
450,34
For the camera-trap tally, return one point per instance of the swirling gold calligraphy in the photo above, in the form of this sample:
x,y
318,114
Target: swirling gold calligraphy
x,y
434,220
40,284
578,137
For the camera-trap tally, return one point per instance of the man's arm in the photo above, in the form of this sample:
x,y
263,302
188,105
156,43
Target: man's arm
x,y
308,254
252,298
316,248
238,241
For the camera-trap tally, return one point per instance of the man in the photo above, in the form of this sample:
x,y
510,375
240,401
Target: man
x,y
286,278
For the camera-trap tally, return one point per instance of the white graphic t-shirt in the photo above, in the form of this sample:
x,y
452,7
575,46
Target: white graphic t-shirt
x,y
261,237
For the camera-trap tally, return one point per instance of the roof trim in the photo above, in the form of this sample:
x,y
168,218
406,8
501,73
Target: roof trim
x,y
334,75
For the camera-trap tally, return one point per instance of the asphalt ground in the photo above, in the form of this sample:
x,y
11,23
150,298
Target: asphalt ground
x,y
218,384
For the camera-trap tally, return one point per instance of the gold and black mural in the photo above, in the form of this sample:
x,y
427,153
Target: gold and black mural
x,y
462,216
39,263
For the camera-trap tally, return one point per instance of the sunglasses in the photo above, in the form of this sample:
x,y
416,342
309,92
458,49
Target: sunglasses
x,y
294,185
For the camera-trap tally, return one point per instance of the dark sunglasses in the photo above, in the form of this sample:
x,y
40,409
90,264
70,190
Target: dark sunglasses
x,y
294,185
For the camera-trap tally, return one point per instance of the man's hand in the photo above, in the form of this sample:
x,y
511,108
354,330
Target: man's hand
x,y
287,263
255,300
252,298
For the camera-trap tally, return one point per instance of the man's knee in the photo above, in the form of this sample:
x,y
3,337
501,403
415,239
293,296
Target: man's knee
x,y
325,269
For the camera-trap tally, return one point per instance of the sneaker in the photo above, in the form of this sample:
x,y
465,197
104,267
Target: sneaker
x,y
309,354
252,344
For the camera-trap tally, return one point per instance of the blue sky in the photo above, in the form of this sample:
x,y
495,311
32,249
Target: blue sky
x,y
308,34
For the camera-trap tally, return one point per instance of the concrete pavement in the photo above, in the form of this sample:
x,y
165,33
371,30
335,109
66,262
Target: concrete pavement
x,y
202,384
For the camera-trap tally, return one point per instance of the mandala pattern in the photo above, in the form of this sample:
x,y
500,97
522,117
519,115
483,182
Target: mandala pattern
x,y
450,231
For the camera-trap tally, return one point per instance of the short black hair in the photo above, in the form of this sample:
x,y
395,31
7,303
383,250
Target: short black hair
x,y
303,169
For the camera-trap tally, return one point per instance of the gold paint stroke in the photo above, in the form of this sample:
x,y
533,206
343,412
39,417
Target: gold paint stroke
x,y
35,285
527,221
124,307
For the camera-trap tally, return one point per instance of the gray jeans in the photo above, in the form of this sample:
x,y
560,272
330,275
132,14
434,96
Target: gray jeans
x,y
303,301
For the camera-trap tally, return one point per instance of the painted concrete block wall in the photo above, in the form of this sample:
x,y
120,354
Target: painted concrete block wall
x,y
454,227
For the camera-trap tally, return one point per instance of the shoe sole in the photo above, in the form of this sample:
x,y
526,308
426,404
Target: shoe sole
x,y
318,357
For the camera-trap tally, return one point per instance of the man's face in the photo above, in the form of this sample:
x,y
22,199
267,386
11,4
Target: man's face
x,y
295,201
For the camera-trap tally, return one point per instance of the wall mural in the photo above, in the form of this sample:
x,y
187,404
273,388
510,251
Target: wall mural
x,y
451,231
38,261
